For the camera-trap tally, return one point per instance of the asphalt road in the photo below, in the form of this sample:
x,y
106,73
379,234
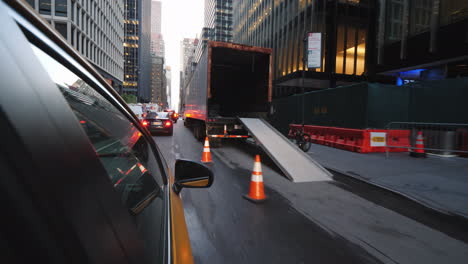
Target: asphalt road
x,y
342,221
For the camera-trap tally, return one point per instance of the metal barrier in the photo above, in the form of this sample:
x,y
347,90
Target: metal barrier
x,y
439,138
357,140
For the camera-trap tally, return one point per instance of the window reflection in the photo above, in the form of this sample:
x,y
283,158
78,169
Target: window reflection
x,y
44,7
123,151
350,54
61,8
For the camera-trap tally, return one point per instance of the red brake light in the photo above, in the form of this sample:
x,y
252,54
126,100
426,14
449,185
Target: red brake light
x,y
82,122
144,123
167,124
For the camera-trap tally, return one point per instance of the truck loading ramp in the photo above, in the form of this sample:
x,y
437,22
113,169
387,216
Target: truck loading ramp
x,y
295,164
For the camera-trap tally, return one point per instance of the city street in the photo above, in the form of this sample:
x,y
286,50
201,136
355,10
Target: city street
x,y
343,221
337,131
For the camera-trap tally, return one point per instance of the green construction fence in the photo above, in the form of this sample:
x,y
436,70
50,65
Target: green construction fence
x,y
373,105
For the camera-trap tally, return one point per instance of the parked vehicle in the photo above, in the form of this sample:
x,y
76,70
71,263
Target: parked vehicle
x,y
230,81
82,180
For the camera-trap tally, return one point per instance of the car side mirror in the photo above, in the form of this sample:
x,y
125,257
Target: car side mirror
x,y
138,195
191,174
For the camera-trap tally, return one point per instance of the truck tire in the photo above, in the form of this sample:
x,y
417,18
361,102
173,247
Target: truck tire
x,y
197,132
200,134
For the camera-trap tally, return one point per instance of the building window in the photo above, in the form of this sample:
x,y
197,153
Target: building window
x,y
452,11
62,29
78,13
421,11
73,36
61,8
72,10
32,3
44,7
394,19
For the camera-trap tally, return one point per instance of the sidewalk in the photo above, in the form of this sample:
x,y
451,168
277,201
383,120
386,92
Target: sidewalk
x,y
439,183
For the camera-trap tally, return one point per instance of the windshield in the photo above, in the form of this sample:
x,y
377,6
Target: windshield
x,y
357,110
159,115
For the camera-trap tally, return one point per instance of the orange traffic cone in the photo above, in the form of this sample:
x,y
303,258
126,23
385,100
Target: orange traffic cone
x,y
206,156
419,152
256,193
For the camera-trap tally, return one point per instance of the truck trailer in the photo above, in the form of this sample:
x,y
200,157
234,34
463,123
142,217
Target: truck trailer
x,y
230,81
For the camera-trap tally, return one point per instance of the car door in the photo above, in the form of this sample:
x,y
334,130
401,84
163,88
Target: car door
x,y
124,152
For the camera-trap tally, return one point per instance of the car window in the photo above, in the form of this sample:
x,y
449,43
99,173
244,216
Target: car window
x,y
152,115
162,115
120,146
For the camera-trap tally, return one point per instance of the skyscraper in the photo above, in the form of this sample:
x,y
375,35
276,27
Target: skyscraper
x,y
157,80
168,85
187,53
218,18
341,40
156,17
187,50
157,40
99,40
137,49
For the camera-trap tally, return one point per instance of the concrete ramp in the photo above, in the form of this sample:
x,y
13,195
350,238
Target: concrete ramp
x,y
295,164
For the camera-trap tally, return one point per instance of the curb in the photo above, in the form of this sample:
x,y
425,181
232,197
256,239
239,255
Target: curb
x,y
407,196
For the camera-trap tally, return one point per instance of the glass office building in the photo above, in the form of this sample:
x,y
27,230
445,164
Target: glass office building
x,y
218,18
282,25
137,75
94,28
422,39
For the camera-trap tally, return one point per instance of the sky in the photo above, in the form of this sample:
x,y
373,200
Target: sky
x,y
180,19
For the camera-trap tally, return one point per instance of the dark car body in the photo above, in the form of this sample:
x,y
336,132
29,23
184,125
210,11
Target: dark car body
x,y
158,122
82,180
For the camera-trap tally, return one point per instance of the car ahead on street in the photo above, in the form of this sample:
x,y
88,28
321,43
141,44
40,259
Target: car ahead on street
x,y
173,115
137,111
158,122
82,181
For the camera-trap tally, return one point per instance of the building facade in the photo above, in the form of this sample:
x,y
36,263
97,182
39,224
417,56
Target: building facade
x,y
131,47
218,18
343,25
187,51
94,28
144,86
201,45
187,54
156,17
137,47
158,81
168,85
157,40
422,39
